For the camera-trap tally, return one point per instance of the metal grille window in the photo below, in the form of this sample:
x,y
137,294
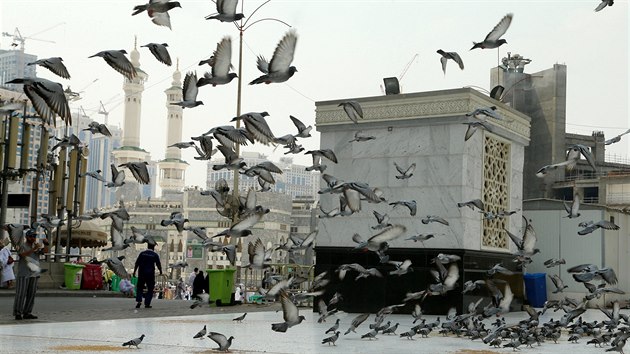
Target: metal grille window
x,y
496,171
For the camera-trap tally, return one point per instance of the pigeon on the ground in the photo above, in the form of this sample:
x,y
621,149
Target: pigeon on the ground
x,y
223,341
279,69
221,63
240,318
189,91
445,56
353,110
135,342
160,52
117,60
332,339
201,333
334,328
493,39
54,64
226,11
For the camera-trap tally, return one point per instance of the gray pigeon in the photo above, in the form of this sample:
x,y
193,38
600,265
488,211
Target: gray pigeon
x,y
602,5
433,218
445,56
410,204
290,314
201,333
190,91
221,63
473,126
405,173
590,226
257,126
279,69
226,11
47,97
118,177
94,174
557,282
223,342
240,318
356,322
303,130
160,52
573,211
55,65
493,39
332,339
485,112
472,204
97,128
617,138
158,11
139,171
358,137
353,110
117,60
135,342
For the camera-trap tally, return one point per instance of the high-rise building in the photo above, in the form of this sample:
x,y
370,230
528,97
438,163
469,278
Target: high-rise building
x,y
173,168
13,65
294,180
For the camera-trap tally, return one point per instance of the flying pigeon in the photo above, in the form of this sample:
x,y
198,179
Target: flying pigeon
x,y
290,314
602,5
411,205
223,342
278,69
55,65
257,126
473,126
445,56
358,137
176,218
97,128
118,177
178,264
303,130
356,322
117,60
135,342
258,255
226,11
158,11
485,112
590,226
202,299
47,97
160,52
190,91
242,228
221,62
433,218
557,282
472,204
353,110
554,262
573,211
493,40
94,174
138,170
405,173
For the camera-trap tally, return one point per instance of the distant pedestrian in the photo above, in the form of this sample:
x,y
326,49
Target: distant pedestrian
x,y
181,289
145,267
6,265
28,275
191,277
199,284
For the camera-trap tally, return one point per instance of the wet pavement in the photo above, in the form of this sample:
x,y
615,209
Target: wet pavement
x,y
173,334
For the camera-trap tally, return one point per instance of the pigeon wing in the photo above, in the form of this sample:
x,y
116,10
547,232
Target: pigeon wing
x,y
222,58
190,89
117,60
298,123
500,28
283,55
218,338
389,234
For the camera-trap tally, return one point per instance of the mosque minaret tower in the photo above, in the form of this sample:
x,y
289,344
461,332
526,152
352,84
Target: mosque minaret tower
x,y
173,168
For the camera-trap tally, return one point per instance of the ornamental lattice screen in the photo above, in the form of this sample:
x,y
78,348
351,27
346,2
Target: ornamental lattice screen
x,y
496,167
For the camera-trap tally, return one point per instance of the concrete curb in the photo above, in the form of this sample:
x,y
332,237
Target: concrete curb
x,y
66,293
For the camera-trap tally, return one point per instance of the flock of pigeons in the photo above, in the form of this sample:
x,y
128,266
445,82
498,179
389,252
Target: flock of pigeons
x,y
49,99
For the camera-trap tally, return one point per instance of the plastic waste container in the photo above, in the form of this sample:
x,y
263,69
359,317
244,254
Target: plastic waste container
x,y
92,277
221,285
73,273
536,288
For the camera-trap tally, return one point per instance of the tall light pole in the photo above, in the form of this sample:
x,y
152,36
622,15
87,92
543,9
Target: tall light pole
x,y
243,26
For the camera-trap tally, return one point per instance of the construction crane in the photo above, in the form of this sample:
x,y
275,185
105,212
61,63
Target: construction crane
x,y
104,112
18,38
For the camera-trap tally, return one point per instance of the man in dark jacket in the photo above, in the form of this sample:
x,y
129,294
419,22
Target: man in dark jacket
x,y
199,284
145,267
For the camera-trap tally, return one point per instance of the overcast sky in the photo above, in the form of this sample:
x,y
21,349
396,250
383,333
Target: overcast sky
x,y
344,50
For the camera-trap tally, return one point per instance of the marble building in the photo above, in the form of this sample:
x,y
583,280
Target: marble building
x,y
426,129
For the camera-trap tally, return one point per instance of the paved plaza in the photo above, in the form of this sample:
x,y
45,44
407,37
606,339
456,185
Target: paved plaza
x,y
101,325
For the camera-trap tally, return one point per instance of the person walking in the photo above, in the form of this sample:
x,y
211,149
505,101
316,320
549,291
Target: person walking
x,y
28,275
6,265
191,277
199,284
181,289
145,267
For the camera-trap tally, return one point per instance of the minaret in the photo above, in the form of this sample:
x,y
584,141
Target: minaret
x,y
130,150
173,168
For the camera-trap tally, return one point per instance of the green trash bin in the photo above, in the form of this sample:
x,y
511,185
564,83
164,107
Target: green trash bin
x,y
221,285
72,275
